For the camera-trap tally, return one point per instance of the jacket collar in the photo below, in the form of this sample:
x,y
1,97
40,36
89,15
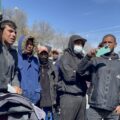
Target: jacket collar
x,y
111,56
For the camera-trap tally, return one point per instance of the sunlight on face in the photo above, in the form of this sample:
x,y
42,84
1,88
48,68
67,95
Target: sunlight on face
x,y
110,42
9,35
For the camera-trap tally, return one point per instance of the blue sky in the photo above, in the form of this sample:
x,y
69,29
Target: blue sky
x,y
90,18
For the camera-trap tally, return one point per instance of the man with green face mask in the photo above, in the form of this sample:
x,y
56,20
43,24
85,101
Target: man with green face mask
x,y
71,86
104,99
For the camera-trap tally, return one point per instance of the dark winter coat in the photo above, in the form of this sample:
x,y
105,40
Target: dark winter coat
x,y
48,80
70,82
105,78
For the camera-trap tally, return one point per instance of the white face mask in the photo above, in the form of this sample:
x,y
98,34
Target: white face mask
x,y
78,49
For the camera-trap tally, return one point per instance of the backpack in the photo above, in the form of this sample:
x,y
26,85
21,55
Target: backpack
x,y
17,107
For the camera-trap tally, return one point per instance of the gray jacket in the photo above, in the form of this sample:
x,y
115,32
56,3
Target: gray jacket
x,y
16,107
8,67
105,78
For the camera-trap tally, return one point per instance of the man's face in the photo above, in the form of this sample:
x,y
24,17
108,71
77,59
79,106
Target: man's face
x,y
110,42
55,56
43,57
8,35
29,47
78,42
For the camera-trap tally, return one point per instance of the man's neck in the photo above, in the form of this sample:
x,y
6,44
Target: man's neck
x,y
29,54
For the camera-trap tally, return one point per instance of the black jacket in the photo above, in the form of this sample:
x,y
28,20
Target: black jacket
x,y
70,82
48,80
105,78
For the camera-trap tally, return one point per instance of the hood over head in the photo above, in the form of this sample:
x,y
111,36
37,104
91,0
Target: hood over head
x,y
30,38
72,39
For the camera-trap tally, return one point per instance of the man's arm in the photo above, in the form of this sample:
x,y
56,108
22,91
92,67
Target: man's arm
x,y
22,38
84,66
16,83
86,63
68,72
14,78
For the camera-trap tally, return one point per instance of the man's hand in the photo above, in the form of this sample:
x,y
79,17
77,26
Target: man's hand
x,y
18,90
117,110
92,53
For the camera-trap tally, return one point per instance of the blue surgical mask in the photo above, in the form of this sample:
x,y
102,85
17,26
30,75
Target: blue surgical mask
x,y
78,49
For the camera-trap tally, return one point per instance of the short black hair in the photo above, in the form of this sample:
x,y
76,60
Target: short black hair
x,y
55,52
109,35
9,23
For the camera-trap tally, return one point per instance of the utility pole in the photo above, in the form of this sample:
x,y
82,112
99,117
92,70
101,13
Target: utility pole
x,y
1,10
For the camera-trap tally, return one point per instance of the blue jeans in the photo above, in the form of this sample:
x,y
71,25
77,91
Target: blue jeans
x,y
49,114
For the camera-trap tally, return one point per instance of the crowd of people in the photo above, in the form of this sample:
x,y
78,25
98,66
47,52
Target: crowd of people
x,y
58,83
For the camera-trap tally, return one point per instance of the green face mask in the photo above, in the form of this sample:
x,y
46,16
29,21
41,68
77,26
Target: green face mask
x,y
102,51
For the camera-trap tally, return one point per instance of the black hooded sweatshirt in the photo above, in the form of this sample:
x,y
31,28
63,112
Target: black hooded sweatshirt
x,y
70,82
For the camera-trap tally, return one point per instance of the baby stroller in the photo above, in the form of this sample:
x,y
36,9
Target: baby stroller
x,y
17,107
